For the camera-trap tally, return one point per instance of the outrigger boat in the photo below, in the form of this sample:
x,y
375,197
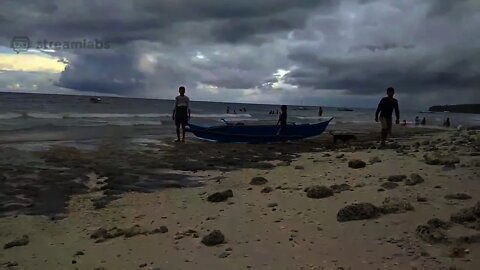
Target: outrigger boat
x,y
240,133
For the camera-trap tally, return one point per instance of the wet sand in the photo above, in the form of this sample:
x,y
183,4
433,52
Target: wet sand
x,y
303,205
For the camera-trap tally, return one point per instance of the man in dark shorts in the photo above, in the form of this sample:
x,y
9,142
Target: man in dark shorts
x,y
181,112
385,108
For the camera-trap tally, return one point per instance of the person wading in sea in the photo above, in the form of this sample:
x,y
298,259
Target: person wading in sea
x,y
181,112
385,108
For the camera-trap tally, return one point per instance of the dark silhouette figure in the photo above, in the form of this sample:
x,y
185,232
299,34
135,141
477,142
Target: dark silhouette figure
x,y
417,121
385,108
424,121
447,122
181,112
320,111
228,109
234,112
282,119
244,109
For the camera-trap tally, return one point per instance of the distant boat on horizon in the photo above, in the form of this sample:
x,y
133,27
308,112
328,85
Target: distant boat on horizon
x,y
343,109
95,100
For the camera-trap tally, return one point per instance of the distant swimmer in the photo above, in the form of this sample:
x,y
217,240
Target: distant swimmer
x,y
385,108
181,112
417,121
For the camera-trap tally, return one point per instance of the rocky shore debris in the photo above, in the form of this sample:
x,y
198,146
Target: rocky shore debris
x,y
469,217
358,211
438,158
258,181
220,196
397,178
458,196
374,160
266,190
436,230
214,238
356,164
389,185
393,205
20,241
318,192
431,234
414,179
103,234
341,187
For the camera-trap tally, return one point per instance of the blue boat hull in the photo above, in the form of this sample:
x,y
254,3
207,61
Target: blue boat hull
x,y
257,134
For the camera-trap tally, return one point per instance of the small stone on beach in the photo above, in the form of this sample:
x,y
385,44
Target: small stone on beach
x,y
358,211
389,185
318,192
214,238
258,181
458,196
397,178
356,164
414,179
21,241
220,196
266,190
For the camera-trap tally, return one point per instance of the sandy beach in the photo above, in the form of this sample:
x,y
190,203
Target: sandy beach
x,y
414,204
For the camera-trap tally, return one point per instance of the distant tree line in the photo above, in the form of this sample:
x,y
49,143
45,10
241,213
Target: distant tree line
x,y
459,108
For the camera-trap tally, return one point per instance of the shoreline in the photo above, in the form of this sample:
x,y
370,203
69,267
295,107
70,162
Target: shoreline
x,y
273,225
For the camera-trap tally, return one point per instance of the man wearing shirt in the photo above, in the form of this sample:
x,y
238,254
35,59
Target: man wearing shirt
x,y
181,112
385,108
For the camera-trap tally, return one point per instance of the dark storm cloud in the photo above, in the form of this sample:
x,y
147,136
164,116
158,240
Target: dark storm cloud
x,y
440,56
102,72
131,20
369,72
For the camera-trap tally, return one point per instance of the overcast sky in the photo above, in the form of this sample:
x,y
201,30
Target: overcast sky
x,y
311,52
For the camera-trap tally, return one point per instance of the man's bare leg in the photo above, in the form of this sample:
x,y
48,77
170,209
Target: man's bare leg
x,y
384,135
183,132
178,133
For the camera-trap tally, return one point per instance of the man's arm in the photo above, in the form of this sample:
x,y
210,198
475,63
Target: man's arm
x,y
174,108
188,106
397,111
379,108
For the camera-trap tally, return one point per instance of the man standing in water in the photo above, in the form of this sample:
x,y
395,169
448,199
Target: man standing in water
x,y
181,112
385,108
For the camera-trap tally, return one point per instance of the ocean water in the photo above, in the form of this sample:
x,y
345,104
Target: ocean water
x,y
50,118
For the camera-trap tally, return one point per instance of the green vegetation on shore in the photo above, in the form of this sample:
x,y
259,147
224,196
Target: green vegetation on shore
x,y
460,108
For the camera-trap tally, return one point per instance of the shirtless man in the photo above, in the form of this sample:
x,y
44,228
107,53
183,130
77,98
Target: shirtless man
x,y
181,112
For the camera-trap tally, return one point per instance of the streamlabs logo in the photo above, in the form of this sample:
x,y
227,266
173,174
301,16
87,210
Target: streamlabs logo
x,y
20,44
